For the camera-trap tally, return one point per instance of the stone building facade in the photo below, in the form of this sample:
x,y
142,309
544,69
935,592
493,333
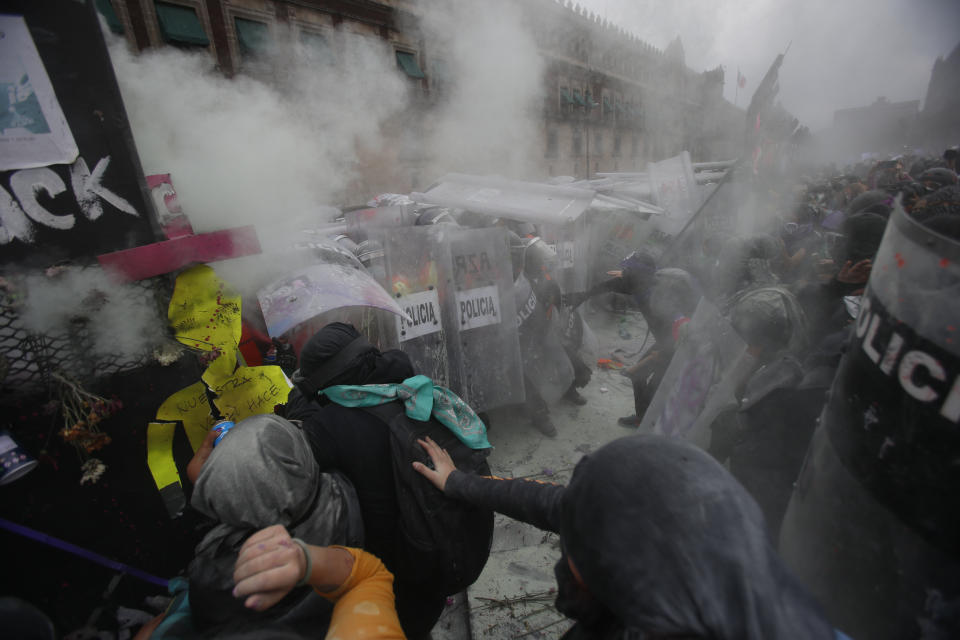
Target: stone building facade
x,y
611,102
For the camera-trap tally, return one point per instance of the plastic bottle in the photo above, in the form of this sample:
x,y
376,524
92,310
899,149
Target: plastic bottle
x,y
222,427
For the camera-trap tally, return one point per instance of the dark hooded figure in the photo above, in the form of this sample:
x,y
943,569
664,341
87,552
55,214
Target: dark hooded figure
x,y
667,299
357,444
263,473
658,541
766,436
873,201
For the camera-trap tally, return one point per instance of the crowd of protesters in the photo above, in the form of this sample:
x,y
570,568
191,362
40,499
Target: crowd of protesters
x,y
659,538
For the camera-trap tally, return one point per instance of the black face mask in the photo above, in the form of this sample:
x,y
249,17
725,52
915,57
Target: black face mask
x,y
574,601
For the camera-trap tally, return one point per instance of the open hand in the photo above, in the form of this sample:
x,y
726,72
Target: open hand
x,y
855,273
269,566
442,464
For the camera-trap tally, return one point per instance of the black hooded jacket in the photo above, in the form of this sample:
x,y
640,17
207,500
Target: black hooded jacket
x,y
357,444
351,440
666,540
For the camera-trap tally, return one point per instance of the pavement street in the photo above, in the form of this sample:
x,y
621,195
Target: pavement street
x,y
513,598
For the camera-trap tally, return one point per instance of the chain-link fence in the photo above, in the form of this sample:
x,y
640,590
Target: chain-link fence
x,y
28,357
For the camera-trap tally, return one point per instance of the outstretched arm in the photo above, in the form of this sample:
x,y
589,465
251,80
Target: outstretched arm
x,y
536,503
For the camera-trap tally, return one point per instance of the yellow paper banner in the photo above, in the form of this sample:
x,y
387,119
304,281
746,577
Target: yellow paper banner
x,y
221,369
252,391
160,453
204,310
189,406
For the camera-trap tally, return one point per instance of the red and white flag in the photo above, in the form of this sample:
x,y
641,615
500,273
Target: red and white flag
x,y
741,80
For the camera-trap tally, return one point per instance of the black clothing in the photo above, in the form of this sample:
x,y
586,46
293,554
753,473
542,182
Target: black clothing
x,y
768,437
357,444
536,503
666,540
369,366
662,298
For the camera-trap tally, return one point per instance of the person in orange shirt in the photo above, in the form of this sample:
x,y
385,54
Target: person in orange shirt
x,y
271,564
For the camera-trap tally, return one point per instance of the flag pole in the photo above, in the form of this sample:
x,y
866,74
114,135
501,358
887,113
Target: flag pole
x,y
736,90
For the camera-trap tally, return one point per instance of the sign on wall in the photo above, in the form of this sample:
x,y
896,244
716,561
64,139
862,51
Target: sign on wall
x,y
71,185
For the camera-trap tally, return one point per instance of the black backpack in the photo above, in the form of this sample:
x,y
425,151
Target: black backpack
x,y
444,540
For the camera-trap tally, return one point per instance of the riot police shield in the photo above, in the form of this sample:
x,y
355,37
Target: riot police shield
x,y
456,284
336,281
701,380
414,262
545,362
492,374
873,527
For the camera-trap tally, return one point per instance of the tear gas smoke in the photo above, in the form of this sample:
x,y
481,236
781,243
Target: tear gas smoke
x,y
490,123
245,151
122,320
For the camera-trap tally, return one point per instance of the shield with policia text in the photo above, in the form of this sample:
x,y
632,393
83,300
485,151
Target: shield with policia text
x,y
415,258
873,526
545,362
462,330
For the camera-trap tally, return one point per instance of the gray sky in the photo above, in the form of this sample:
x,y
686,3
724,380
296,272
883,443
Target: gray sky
x,y
844,53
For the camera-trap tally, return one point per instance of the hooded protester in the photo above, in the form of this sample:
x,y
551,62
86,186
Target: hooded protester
x,y
357,443
666,298
658,540
745,263
765,437
937,177
873,201
853,251
263,472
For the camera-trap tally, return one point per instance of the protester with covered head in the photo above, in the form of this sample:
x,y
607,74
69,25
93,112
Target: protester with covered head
x,y
356,443
851,263
261,473
667,299
765,436
657,540
745,263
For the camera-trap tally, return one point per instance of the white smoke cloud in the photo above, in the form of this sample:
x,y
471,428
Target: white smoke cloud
x,y
121,320
246,150
490,122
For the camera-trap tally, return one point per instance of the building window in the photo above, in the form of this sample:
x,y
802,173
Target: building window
x,y
253,37
616,145
606,110
577,143
440,76
408,62
578,98
317,48
566,101
588,98
551,151
108,13
180,26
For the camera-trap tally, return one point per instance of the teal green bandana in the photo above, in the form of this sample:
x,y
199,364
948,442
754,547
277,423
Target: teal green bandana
x,y
421,398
